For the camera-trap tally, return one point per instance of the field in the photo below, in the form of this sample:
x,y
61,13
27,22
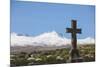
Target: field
x,y
57,56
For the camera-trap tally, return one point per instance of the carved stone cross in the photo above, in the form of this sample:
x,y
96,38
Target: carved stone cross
x,y
74,52
73,32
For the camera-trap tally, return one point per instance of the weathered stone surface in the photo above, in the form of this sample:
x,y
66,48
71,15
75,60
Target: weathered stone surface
x,y
75,57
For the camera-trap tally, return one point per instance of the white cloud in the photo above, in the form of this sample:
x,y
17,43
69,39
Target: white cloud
x,y
48,38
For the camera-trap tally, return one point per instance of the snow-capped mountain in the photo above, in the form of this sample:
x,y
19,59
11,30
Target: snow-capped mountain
x,y
45,39
87,40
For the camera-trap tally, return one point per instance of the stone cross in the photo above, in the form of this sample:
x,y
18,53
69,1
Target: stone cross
x,y
74,31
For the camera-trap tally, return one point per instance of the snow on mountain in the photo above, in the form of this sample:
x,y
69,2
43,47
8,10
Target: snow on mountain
x,y
45,39
87,40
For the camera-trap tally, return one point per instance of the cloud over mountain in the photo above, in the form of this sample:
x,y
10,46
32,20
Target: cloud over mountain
x,y
45,39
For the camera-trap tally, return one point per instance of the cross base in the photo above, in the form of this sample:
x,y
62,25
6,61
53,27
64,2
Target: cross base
x,y
75,56
75,60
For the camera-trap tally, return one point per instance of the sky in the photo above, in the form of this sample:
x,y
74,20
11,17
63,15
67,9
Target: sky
x,y
34,18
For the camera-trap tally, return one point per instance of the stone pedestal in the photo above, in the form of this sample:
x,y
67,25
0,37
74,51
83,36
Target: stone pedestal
x,y
75,56
75,60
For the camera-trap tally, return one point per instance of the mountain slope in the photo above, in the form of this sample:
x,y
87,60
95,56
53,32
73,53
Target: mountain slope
x,y
45,39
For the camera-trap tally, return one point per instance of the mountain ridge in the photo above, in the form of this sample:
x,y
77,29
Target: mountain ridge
x,y
45,39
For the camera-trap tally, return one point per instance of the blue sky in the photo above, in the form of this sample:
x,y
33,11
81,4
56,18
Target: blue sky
x,y
34,18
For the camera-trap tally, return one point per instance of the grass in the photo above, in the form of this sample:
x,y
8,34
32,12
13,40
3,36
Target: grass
x,y
57,56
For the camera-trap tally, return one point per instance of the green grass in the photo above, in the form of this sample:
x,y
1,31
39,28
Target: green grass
x,y
87,52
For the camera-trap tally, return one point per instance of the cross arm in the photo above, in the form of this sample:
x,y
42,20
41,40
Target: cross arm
x,y
69,30
78,31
